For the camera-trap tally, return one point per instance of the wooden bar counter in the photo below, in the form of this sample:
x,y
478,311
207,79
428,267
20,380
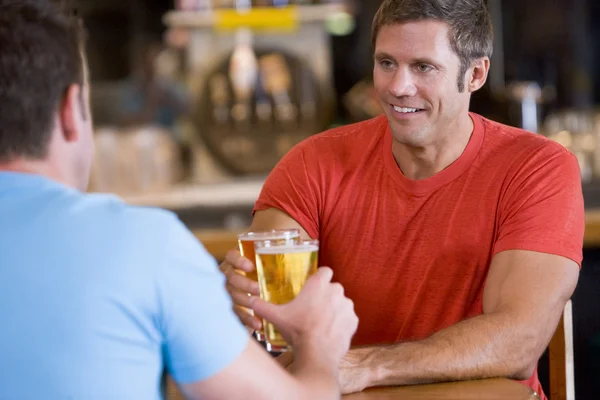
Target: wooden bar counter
x,y
487,389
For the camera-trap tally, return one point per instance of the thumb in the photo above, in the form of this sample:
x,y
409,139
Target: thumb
x,y
269,311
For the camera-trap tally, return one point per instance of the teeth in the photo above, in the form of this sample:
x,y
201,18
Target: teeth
x,y
405,110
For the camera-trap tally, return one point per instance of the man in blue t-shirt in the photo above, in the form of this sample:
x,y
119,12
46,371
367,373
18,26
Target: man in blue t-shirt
x,y
97,298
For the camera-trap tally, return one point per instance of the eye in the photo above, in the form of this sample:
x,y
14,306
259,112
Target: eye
x,y
386,64
424,67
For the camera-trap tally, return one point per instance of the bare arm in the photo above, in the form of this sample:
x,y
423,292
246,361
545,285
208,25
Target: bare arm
x,y
524,297
319,323
254,375
273,218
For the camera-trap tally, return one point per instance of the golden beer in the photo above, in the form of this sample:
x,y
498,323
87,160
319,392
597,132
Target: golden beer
x,y
246,247
283,268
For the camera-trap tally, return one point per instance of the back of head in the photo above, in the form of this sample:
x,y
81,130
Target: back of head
x,y
471,32
41,42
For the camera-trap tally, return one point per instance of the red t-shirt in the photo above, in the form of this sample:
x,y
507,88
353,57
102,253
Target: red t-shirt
x,y
414,255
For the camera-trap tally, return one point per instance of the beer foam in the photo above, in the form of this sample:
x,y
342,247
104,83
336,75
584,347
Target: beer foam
x,y
268,236
302,248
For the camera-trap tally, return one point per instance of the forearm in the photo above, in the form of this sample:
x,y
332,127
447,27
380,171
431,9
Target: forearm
x,y
482,347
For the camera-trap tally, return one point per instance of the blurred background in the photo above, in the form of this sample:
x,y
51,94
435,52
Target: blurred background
x,y
195,101
189,93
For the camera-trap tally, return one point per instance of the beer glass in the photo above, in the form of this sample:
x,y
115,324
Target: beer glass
x,y
246,247
283,268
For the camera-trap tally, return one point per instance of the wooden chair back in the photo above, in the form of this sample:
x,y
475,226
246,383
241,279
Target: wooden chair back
x,y
561,359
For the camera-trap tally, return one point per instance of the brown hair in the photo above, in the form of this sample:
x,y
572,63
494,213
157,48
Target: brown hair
x,y
42,54
471,32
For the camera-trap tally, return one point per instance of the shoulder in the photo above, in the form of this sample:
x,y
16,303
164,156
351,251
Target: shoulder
x,y
155,233
524,163
519,138
130,225
520,147
114,209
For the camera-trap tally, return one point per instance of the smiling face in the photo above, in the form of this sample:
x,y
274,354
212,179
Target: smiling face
x,y
415,76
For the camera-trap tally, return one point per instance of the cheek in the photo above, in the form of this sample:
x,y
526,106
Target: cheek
x,y
452,103
431,88
379,81
446,92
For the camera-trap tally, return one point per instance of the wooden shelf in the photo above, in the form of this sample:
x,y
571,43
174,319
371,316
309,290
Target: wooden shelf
x,y
228,194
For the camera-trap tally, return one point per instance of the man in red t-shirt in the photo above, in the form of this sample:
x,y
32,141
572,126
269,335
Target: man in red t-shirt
x,y
458,239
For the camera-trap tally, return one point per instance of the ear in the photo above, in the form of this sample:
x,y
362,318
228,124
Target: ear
x,y
70,113
478,74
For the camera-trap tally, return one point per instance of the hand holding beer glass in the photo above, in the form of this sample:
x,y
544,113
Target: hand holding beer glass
x,y
283,268
320,320
246,247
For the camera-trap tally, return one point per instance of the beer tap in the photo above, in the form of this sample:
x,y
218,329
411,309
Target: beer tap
x,y
219,96
243,74
278,82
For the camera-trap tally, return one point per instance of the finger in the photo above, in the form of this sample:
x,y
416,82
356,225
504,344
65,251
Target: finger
x,y
247,319
285,359
321,277
225,267
268,311
325,274
353,321
234,258
337,289
240,298
290,367
243,284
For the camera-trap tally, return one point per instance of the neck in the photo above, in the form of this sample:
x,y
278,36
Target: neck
x,y
418,163
35,167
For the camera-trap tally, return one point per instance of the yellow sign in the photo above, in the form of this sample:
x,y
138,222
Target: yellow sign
x,y
257,18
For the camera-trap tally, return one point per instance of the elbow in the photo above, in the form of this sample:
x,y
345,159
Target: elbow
x,y
525,362
523,358
523,372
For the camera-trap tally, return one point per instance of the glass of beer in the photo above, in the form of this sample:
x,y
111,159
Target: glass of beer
x,y
283,268
246,247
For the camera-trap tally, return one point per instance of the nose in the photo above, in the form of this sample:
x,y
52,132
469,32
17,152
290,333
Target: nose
x,y
402,84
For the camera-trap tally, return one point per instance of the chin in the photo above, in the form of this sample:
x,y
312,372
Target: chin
x,y
410,138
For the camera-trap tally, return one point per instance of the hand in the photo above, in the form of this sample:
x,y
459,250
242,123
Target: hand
x,y
286,360
241,288
320,317
354,375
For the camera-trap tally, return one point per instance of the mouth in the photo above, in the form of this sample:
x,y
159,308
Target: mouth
x,y
406,110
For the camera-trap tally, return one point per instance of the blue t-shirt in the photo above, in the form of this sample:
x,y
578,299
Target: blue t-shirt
x,y
98,298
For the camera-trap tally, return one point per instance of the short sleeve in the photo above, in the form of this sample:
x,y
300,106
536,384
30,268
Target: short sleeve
x,y
293,187
201,333
542,209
